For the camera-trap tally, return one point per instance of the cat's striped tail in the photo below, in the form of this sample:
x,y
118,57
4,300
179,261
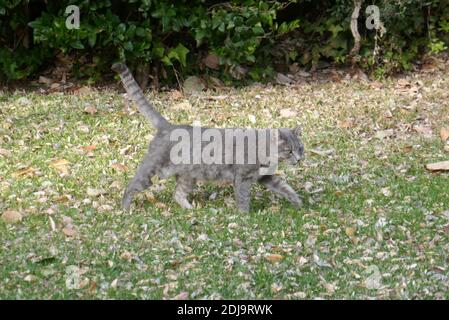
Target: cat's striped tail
x,y
136,94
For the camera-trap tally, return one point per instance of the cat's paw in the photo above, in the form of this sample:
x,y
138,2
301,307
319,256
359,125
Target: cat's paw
x,y
298,203
126,203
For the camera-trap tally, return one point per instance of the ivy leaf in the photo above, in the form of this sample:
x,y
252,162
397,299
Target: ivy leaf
x,y
179,53
77,45
92,39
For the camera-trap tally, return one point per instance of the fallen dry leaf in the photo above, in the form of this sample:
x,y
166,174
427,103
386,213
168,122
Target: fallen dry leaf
x,y
275,287
28,171
184,105
69,231
62,165
344,124
119,167
287,113
175,94
114,283
11,216
425,131
444,134
350,231
91,192
52,223
403,83
90,110
438,166
382,134
323,153
31,278
283,79
5,153
45,80
407,149
182,296
274,257
88,148
212,61
160,205
376,85
126,256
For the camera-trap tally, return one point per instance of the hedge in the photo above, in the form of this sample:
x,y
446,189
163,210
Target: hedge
x,y
233,40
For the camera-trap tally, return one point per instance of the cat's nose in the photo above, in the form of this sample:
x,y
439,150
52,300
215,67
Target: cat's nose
x,y
298,156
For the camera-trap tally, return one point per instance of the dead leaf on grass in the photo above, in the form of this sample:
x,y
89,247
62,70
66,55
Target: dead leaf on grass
x,y
438,166
444,134
25,172
119,167
61,165
11,216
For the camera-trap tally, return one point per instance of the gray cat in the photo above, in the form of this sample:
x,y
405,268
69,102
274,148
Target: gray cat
x,y
160,158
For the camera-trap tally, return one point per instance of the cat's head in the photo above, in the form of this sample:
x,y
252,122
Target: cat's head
x,y
290,146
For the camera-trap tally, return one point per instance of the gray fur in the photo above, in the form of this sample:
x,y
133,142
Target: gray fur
x,y
241,176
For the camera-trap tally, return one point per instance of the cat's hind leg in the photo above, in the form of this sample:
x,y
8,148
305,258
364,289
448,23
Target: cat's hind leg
x,y
140,182
282,188
183,187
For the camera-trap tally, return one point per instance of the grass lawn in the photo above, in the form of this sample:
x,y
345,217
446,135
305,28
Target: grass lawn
x,y
375,222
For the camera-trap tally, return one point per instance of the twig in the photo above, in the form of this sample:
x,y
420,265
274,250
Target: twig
x,y
355,31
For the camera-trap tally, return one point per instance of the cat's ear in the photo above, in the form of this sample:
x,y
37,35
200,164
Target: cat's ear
x,y
298,131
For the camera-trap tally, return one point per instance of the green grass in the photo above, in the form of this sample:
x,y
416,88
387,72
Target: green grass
x,y
369,204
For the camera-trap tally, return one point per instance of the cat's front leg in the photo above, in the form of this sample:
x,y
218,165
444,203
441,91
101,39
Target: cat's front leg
x,y
183,187
242,190
282,188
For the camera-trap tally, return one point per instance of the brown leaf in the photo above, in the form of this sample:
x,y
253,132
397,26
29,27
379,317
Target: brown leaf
x,y
88,148
62,199
11,216
31,278
91,192
45,80
126,256
28,171
175,94
212,61
5,153
287,113
283,79
407,149
323,153
382,134
425,131
69,231
350,231
344,124
403,83
438,166
444,134
90,110
62,165
376,85
160,205
182,296
274,257
184,105
119,167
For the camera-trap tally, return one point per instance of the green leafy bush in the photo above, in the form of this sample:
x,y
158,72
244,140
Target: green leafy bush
x,y
248,39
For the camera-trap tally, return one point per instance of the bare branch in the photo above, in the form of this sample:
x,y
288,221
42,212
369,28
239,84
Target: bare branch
x,y
354,29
